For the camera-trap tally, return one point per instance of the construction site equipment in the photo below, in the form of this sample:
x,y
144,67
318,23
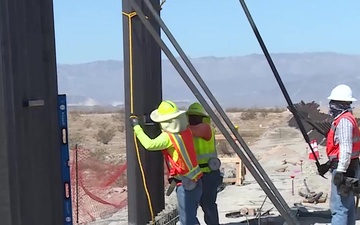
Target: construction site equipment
x,y
301,211
316,123
250,161
243,212
65,167
310,196
240,170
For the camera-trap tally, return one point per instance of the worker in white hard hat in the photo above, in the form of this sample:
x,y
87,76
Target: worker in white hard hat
x,y
204,142
343,150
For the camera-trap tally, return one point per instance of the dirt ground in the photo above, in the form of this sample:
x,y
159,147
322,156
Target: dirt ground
x,y
277,147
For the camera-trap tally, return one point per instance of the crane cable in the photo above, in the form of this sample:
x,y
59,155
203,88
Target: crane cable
x,y
130,16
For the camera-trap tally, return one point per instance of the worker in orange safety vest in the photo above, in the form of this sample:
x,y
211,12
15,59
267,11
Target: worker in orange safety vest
x,y
343,150
176,143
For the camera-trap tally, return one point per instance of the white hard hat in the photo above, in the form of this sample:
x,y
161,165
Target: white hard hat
x,y
342,92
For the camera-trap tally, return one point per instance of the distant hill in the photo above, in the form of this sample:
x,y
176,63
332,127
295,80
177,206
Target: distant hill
x,y
241,81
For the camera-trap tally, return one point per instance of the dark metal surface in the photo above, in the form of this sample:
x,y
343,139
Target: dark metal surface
x,y
147,95
261,177
30,167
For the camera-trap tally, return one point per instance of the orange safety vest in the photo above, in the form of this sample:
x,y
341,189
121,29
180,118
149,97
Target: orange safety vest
x,y
186,165
333,149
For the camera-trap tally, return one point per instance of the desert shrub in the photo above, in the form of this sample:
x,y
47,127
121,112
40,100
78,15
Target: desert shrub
x,y
234,109
118,117
87,123
75,138
105,135
104,125
99,153
248,115
256,109
264,113
74,115
120,128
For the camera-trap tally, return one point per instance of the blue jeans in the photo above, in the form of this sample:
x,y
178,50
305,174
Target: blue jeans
x,y
188,203
342,207
211,181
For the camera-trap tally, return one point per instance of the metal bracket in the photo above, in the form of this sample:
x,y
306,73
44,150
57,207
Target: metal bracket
x,y
34,103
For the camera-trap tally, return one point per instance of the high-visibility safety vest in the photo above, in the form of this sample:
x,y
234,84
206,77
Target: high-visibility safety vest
x,y
332,148
205,150
185,164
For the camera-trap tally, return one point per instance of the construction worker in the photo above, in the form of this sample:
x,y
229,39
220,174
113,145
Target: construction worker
x,y
204,141
343,150
176,143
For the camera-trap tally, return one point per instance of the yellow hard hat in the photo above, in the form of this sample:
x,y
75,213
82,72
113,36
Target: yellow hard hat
x,y
167,110
196,109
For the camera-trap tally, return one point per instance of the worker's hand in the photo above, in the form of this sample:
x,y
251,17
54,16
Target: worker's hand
x,y
339,179
324,168
356,187
134,120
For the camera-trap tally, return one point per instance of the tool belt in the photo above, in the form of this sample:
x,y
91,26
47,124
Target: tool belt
x,y
213,163
187,183
351,183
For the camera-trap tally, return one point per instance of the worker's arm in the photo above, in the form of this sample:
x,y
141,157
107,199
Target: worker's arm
x,y
202,130
344,134
161,142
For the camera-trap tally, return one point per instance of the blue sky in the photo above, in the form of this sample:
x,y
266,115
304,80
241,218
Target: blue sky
x,y
90,30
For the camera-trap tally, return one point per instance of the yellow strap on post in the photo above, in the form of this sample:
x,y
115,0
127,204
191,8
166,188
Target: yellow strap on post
x,y
130,16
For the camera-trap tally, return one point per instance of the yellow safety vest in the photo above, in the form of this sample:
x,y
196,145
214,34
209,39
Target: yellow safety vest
x,y
205,150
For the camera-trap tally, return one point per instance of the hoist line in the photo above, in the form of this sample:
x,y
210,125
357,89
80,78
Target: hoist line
x,y
275,198
212,98
142,172
278,79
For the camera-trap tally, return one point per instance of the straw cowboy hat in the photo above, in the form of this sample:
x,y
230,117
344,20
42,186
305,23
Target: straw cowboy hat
x,y
167,110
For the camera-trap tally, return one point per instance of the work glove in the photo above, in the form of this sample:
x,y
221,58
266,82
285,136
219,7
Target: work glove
x,y
324,168
356,187
134,120
339,179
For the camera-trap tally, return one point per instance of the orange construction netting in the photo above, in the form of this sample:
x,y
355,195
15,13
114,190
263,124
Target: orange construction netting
x,y
99,189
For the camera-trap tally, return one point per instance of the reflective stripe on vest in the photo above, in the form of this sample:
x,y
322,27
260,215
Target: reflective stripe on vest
x,y
332,148
207,156
185,163
193,171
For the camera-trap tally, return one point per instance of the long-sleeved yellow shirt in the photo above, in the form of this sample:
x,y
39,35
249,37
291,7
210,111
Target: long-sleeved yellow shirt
x,y
159,143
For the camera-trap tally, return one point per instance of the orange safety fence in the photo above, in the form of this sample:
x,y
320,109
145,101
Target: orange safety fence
x,y
99,189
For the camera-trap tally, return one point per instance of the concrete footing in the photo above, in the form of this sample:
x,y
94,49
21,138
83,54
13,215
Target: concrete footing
x,y
166,217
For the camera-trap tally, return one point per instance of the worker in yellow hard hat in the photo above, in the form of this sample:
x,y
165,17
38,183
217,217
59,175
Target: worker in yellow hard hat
x,y
176,144
204,141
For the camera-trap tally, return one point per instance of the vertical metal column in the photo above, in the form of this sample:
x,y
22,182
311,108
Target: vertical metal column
x,y
30,170
147,94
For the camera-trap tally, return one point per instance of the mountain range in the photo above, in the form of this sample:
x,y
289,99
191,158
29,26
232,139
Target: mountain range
x,y
239,81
